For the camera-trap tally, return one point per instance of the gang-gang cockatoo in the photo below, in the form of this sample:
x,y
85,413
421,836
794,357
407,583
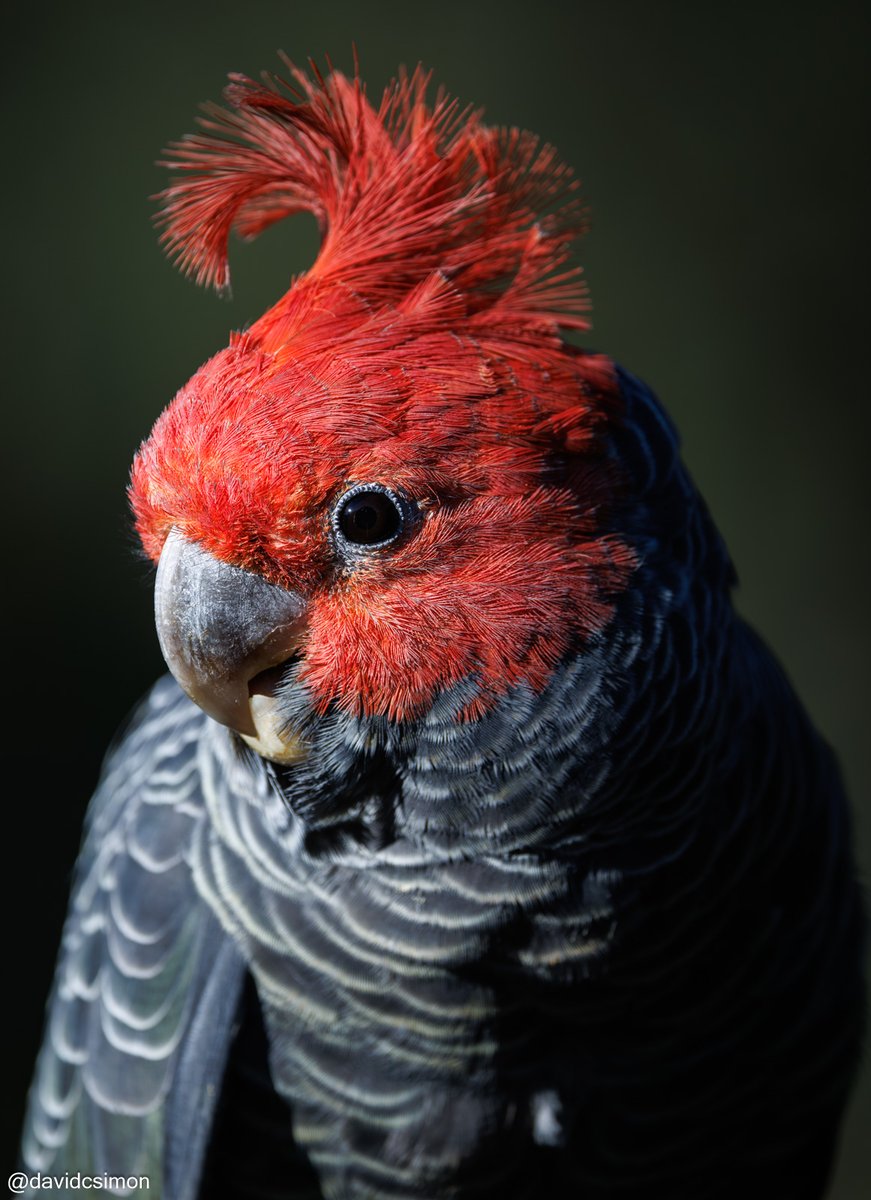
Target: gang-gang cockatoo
x,y
476,848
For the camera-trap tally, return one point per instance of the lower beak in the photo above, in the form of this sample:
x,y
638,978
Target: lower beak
x,y
220,628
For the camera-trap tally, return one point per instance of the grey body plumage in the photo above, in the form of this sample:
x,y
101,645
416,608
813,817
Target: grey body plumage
x,y
604,940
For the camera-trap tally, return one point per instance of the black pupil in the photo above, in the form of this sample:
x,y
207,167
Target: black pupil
x,y
369,517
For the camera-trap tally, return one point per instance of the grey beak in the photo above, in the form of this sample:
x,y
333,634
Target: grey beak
x,y
219,626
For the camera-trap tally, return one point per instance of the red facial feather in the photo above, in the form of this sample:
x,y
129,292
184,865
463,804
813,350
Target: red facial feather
x,y
421,351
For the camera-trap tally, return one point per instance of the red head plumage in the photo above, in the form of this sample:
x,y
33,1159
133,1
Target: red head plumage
x,y
400,193
422,351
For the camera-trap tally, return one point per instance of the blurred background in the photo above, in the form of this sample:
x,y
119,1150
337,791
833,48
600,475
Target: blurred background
x,y
723,151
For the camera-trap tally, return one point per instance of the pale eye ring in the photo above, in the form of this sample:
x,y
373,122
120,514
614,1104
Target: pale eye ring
x,y
368,515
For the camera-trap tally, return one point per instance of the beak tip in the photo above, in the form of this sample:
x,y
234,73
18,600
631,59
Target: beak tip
x,y
227,705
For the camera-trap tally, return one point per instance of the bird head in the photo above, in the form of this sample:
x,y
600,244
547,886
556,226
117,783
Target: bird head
x,y
397,482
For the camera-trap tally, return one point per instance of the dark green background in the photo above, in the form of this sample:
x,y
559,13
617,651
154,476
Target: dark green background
x,y
723,150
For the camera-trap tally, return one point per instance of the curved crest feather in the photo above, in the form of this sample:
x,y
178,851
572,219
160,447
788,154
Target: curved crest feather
x,y
402,192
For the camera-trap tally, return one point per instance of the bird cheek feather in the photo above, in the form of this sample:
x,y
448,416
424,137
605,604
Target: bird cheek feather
x,y
488,593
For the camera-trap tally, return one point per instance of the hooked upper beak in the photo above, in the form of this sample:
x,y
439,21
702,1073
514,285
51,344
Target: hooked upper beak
x,y
220,627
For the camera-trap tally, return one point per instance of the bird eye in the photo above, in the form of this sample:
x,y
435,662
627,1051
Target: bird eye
x,y
369,516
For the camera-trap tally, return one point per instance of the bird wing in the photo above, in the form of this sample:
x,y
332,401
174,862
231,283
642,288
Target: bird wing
x,y
147,984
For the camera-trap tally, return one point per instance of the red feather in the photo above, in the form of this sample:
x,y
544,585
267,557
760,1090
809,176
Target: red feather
x,y
422,350
400,193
